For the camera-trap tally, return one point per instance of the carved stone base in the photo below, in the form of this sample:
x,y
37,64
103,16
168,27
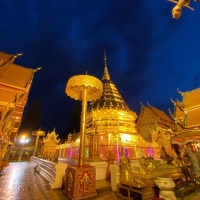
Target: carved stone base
x,y
80,182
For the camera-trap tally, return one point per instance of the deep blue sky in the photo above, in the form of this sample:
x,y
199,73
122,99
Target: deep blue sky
x,y
149,54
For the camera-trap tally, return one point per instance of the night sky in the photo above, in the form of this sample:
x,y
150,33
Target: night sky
x,y
149,54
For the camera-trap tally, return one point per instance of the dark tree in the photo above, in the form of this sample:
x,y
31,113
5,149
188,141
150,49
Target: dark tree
x,y
31,119
74,122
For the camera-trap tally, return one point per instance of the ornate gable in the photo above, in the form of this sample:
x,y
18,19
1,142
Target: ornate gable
x,y
146,124
52,137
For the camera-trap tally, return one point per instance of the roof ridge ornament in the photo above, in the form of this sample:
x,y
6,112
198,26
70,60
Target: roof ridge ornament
x,y
181,93
18,55
172,101
37,69
106,75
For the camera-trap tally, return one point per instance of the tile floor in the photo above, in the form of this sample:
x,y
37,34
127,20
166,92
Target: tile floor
x,y
20,182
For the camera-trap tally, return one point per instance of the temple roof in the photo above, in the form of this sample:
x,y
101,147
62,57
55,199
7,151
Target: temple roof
x,y
186,136
160,114
151,120
187,112
52,137
191,98
16,76
6,59
111,97
157,116
15,83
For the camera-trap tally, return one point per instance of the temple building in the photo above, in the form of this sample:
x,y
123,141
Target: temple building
x,y
187,117
15,83
155,127
186,140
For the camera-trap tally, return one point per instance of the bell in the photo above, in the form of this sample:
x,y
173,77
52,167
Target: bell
x,y
176,12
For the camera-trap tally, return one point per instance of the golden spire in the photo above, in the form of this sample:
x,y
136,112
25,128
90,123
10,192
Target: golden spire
x,y
106,75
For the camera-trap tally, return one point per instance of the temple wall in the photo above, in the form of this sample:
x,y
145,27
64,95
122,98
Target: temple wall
x,y
49,147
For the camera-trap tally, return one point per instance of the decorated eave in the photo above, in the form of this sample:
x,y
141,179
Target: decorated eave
x,y
15,83
185,136
190,100
14,77
178,115
52,137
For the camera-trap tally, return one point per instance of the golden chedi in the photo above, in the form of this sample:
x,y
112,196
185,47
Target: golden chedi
x,y
110,123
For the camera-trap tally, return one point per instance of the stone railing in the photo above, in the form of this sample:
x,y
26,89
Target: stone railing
x,y
99,166
52,172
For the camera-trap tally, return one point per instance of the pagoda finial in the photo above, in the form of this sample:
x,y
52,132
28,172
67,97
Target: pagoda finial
x,y
106,75
105,57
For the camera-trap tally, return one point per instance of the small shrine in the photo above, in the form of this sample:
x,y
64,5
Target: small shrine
x,y
50,143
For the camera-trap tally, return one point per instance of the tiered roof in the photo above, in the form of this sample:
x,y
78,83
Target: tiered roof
x,y
111,97
187,112
187,117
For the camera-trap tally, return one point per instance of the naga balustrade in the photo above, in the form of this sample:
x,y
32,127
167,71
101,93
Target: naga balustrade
x,y
52,172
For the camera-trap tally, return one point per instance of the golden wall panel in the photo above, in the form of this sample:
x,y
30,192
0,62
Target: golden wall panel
x,y
193,117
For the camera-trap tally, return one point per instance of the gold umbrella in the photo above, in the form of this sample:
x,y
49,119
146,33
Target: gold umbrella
x,y
84,88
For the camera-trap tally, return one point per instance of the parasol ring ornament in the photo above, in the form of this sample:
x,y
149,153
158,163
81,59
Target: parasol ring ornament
x,y
77,84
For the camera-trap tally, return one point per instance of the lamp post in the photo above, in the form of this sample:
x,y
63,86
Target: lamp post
x,y
80,180
23,140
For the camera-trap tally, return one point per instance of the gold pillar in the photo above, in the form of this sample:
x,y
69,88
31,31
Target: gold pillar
x,y
81,157
36,144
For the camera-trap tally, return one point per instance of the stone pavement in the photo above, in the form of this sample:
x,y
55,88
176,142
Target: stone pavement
x,y
21,182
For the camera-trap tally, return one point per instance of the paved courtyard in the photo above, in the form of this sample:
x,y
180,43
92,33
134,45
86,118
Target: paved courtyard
x,y
20,182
